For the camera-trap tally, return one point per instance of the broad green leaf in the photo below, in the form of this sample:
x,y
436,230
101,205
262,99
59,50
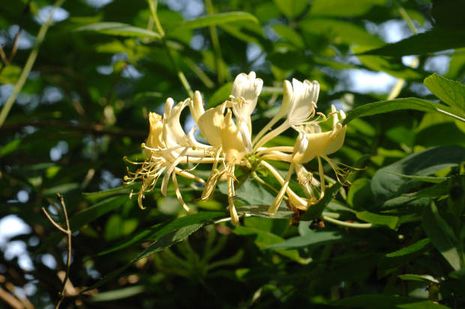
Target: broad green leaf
x,y
394,68
217,19
118,294
360,195
421,278
419,198
120,29
289,34
449,91
311,238
162,233
389,182
10,147
163,236
423,43
411,249
340,31
377,219
122,190
95,211
343,8
291,8
220,95
382,107
442,237
265,239
62,188
384,301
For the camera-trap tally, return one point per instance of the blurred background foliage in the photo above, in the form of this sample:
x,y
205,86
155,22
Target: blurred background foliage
x,y
102,65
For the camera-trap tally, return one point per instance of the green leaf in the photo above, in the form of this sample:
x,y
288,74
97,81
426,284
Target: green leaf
x,y
310,238
449,91
165,234
343,8
94,212
340,31
411,249
10,147
390,181
265,239
442,237
120,29
360,195
383,301
421,278
118,294
389,221
218,19
291,8
122,190
423,43
387,106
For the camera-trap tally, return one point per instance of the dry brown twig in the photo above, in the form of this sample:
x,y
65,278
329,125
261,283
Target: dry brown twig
x,y
67,231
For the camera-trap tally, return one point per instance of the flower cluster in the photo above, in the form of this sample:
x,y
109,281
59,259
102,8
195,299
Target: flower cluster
x,y
170,152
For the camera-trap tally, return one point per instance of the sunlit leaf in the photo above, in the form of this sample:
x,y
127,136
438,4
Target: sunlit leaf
x,y
218,19
119,29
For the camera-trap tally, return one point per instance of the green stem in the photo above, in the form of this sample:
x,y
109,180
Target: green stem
x,y
348,224
28,66
216,45
153,6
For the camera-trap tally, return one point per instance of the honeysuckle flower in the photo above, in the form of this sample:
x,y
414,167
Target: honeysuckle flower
x,y
245,92
299,104
227,129
312,143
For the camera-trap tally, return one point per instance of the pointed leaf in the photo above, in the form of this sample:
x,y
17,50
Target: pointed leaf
x,y
120,29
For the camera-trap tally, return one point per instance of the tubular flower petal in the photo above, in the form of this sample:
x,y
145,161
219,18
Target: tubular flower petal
x,y
210,125
155,138
196,106
303,102
232,142
318,143
247,87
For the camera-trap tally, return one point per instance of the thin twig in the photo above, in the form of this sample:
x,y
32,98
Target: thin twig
x,y
67,231
28,66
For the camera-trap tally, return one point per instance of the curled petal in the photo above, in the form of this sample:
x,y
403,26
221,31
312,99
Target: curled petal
x,y
247,87
303,102
210,125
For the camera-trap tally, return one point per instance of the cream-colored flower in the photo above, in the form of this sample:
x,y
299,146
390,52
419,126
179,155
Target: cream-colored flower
x,y
312,143
299,104
228,130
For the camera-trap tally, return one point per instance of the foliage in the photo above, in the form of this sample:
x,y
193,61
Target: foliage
x,y
75,96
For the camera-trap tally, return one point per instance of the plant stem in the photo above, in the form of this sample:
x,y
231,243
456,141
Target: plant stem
x,y
29,64
153,5
216,45
348,224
